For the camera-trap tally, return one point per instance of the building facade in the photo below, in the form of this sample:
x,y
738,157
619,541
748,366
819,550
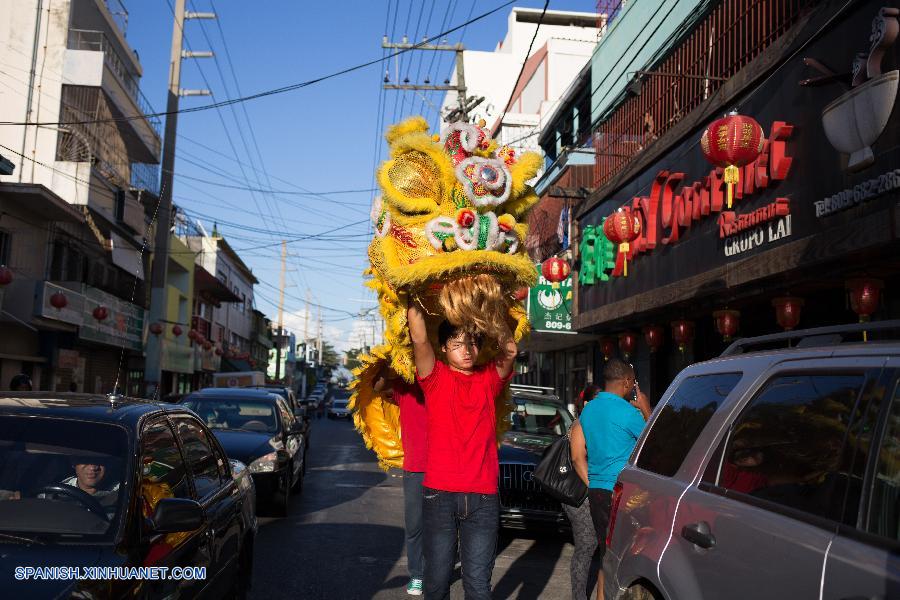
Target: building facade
x,y
84,291
814,217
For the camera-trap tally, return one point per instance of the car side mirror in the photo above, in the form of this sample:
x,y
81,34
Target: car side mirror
x,y
174,515
296,428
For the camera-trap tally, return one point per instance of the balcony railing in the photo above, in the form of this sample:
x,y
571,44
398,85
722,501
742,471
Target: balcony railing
x,y
96,41
145,176
119,14
722,43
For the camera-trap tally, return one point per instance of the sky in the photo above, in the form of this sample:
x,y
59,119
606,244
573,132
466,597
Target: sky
x,y
323,138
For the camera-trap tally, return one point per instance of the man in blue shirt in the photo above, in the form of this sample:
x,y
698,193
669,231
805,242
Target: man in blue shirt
x,y
603,438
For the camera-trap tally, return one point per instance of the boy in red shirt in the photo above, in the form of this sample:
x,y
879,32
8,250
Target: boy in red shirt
x,y
461,465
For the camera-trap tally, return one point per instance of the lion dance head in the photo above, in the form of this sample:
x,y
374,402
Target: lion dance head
x,y
450,234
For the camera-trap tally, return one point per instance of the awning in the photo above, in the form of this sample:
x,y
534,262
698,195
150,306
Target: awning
x,y
230,365
126,257
211,289
41,201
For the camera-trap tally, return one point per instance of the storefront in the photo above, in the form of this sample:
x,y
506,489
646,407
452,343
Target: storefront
x,y
104,353
817,211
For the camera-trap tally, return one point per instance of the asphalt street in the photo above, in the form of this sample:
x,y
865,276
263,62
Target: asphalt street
x,y
343,537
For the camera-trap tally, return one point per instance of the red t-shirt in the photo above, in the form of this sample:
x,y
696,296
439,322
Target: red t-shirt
x,y
413,424
462,447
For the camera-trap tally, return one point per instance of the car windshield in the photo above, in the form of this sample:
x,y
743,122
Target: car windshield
x,y
61,478
539,417
340,404
246,415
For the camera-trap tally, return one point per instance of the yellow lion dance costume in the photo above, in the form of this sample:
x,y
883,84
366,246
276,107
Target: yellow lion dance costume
x,y
450,233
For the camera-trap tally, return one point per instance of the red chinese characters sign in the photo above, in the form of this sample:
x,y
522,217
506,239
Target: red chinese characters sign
x,y
674,205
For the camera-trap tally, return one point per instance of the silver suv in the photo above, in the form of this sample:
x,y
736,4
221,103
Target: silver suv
x,y
767,474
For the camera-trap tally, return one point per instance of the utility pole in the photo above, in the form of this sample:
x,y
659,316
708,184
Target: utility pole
x,y
466,104
278,338
153,365
319,339
305,360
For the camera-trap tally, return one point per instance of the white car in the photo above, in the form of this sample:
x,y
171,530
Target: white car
x,y
339,410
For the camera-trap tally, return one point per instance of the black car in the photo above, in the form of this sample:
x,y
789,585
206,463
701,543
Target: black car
x,y
257,428
96,483
537,421
299,407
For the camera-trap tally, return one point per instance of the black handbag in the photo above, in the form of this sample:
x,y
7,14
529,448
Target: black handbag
x,y
557,475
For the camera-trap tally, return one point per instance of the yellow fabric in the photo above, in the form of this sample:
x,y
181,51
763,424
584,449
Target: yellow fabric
x,y
419,184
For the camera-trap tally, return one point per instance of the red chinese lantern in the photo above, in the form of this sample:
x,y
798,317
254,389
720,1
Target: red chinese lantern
x,y
219,352
730,143
627,343
865,294
100,313
520,294
653,335
787,311
193,334
6,275
156,328
683,333
252,363
608,348
555,270
176,330
727,323
207,346
622,227
59,301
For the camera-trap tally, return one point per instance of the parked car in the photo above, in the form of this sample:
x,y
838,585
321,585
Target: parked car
x,y
298,407
339,410
539,419
767,474
164,495
257,428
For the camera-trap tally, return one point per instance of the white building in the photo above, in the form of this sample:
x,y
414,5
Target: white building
x,y
564,43
85,179
68,61
232,322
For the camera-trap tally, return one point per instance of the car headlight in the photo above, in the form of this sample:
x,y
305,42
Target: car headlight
x,y
264,464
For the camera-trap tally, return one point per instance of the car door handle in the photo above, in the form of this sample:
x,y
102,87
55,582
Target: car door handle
x,y
699,534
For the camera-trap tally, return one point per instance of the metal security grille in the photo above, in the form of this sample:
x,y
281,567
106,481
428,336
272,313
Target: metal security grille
x,y
727,39
519,490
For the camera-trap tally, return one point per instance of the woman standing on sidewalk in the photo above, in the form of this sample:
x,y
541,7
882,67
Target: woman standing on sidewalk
x,y
582,526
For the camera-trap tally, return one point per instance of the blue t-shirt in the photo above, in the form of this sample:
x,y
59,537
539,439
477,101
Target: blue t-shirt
x,y
611,428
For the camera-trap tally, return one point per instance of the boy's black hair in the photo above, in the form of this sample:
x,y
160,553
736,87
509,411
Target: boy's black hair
x,y
448,331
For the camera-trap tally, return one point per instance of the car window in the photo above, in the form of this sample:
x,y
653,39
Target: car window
x,y
788,444
62,477
200,456
539,418
884,507
287,418
163,472
682,419
223,413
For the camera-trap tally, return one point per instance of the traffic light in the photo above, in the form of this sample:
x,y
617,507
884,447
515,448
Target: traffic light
x,y
587,273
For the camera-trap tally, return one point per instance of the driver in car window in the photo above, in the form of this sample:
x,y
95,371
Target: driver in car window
x,y
89,478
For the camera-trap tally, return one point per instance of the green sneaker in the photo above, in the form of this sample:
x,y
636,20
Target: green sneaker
x,y
414,587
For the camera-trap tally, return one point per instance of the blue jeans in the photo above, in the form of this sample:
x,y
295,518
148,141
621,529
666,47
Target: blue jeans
x,y
474,520
412,511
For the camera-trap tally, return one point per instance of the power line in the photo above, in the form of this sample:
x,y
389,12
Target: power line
x,y
273,91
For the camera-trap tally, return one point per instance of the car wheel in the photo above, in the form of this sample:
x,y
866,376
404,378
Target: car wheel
x,y
298,484
639,592
284,502
244,574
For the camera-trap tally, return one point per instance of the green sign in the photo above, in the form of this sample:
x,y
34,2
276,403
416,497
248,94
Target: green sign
x,y
598,256
549,308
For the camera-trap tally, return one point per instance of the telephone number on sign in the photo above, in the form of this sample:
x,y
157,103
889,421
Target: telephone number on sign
x,y
557,325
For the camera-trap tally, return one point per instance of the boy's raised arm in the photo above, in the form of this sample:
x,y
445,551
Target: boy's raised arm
x,y
423,353
507,355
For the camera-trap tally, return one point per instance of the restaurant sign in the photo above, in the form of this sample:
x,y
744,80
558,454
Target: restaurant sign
x,y
550,308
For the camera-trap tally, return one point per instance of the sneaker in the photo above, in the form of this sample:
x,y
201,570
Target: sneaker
x,y
414,587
